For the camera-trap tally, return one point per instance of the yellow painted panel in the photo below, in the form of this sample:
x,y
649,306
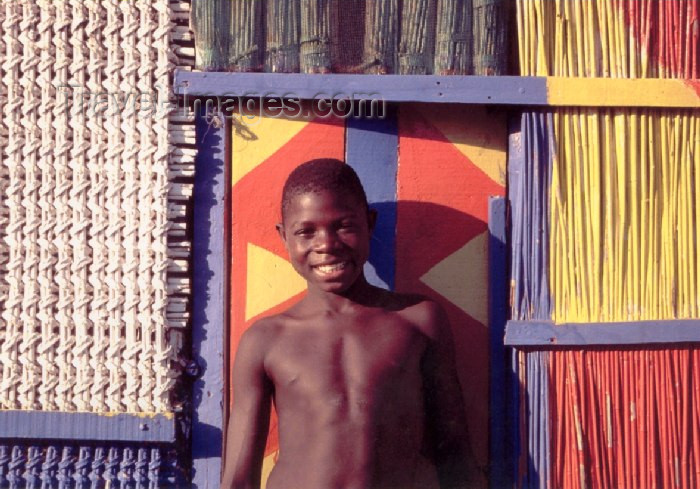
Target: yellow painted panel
x,y
258,139
462,278
271,280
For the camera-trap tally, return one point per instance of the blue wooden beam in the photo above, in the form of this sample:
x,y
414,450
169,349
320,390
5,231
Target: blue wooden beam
x,y
546,333
502,90
498,314
506,90
111,427
209,298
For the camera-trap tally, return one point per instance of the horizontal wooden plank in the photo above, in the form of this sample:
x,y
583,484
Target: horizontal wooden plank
x,y
505,90
53,425
546,333
623,92
500,90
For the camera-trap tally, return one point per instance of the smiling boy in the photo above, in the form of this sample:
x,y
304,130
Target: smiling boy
x,y
363,379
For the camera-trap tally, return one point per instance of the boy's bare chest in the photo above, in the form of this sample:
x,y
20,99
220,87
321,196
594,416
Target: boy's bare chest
x,y
337,359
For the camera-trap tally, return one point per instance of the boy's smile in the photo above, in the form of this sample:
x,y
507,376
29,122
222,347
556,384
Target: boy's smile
x,y
327,236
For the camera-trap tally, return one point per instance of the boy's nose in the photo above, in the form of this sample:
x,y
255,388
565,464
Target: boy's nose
x,y
326,241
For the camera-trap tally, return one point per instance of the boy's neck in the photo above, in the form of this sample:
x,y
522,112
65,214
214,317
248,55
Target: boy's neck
x,y
361,293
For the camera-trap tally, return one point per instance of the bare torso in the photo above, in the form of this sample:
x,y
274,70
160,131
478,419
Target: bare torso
x,y
366,396
349,397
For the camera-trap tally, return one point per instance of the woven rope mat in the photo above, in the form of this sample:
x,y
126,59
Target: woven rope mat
x,y
95,169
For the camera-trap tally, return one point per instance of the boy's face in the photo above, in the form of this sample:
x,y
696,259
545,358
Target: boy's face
x,y
327,236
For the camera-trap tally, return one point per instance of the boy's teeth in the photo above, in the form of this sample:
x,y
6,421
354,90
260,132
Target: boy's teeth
x,y
330,268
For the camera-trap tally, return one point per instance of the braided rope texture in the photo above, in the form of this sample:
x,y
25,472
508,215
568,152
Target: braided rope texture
x,y
96,167
82,466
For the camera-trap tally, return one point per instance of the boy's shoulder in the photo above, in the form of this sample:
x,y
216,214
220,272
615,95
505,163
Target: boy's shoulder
x,y
269,327
421,311
266,327
425,313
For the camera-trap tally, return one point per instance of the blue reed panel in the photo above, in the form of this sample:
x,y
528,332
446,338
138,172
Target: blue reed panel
x,y
514,419
537,458
516,160
532,387
529,171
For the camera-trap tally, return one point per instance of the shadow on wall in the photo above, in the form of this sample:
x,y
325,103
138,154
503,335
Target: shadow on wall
x,y
441,252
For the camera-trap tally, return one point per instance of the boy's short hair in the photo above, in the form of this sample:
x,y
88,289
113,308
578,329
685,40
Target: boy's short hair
x,y
322,174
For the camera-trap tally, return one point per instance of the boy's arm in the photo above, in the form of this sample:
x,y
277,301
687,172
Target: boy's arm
x,y
445,414
250,417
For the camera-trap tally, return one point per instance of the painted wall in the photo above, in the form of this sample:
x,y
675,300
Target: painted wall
x,y
428,171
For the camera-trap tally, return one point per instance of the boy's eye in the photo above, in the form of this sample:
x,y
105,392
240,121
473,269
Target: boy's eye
x,y
347,225
304,232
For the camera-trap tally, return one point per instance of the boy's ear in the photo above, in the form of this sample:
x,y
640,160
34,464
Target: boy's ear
x,y
371,219
280,230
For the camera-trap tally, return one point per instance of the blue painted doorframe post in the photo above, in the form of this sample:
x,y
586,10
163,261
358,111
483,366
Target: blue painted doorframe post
x,y
499,446
209,297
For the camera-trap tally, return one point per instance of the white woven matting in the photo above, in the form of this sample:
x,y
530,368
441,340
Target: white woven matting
x,y
93,191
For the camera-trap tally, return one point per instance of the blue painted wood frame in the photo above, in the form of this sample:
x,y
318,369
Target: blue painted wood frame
x,y
503,90
547,333
371,147
516,161
210,297
498,314
119,427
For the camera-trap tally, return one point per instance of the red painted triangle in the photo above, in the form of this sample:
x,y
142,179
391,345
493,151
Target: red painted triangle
x,y
442,198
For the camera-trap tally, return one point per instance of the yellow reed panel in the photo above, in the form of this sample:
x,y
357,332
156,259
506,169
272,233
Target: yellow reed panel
x,y
604,68
624,214
541,46
600,38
